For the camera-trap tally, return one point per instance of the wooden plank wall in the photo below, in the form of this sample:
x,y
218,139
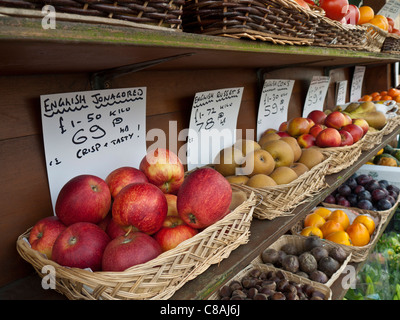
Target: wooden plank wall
x,y
24,195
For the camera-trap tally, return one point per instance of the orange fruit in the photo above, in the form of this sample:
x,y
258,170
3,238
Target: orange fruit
x,y
323,212
393,92
379,22
366,14
397,98
383,93
387,97
377,98
340,237
366,98
383,19
341,217
331,226
374,94
367,221
358,234
312,231
313,220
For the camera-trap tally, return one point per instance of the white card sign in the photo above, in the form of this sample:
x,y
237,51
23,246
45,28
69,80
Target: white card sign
x,y
390,9
92,132
316,94
274,102
356,84
212,124
341,90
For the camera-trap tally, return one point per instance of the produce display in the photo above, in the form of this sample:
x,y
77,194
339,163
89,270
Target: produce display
x,y
133,215
364,192
336,225
379,279
313,260
385,95
387,156
269,285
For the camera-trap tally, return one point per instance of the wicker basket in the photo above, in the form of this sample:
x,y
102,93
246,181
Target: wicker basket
x,y
391,44
298,241
391,124
375,37
333,34
342,157
161,13
159,278
372,138
359,253
278,201
290,276
277,21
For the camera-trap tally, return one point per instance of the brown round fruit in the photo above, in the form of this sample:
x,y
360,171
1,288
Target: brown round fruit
x,y
259,161
299,168
295,147
280,151
261,181
311,157
283,175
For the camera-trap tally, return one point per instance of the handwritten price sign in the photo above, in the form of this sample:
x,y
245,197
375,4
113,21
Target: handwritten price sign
x,y
212,124
390,9
274,102
92,132
341,89
356,83
316,94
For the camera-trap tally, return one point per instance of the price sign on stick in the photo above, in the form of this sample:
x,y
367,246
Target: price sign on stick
x,y
390,9
274,102
92,132
341,89
212,124
356,84
316,94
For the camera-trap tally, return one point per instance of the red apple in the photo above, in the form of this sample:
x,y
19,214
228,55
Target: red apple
x,y
115,230
315,129
283,126
171,202
317,116
362,123
310,123
335,120
173,232
283,134
298,126
348,119
347,138
164,169
355,131
81,245
328,137
124,252
84,198
203,198
44,233
306,140
142,206
121,177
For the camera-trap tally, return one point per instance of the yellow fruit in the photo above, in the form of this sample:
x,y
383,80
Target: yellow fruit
x,y
341,217
313,220
312,231
323,212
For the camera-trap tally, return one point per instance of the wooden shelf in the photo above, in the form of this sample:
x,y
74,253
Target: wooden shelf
x,y
85,47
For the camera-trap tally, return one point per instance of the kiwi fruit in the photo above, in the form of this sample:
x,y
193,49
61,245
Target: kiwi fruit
x,y
328,265
307,262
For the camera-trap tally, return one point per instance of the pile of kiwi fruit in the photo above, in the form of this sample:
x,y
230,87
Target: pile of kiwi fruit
x,y
269,285
315,262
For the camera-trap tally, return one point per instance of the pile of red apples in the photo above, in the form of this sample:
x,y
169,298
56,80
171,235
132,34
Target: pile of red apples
x,y
335,129
132,216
